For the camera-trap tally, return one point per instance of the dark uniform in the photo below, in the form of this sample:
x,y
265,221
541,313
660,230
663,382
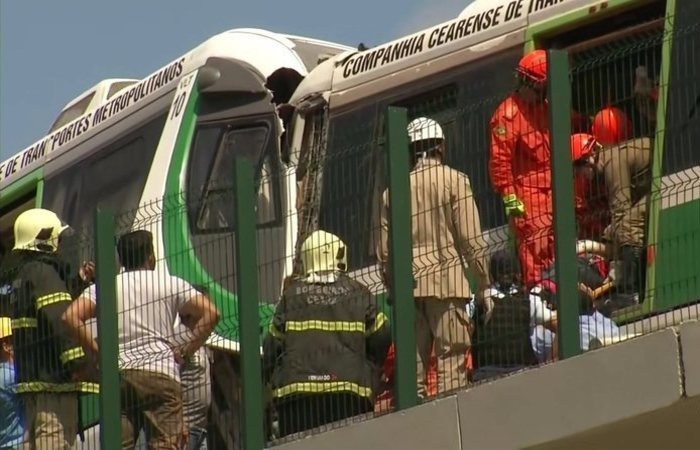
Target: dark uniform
x,y
626,168
323,352
503,342
45,357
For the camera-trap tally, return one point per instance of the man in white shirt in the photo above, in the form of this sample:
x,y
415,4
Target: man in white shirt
x,y
148,301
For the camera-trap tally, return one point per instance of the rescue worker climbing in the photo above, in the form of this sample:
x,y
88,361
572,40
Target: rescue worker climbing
x,y
519,164
611,126
48,362
447,244
326,342
625,168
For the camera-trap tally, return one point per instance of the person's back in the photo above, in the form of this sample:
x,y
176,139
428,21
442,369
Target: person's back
x,y
438,265
148,301
338,350
326,342
147,305
504,341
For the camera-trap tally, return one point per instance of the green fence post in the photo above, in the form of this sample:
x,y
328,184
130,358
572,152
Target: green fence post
x,y
559,95
401,270
248,316
107,334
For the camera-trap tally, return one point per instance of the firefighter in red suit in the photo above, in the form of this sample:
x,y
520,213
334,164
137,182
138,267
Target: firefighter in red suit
x,y
519,165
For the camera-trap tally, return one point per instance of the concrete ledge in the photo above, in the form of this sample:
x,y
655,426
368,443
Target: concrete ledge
x,y
690,345
431,426
572,396
586,396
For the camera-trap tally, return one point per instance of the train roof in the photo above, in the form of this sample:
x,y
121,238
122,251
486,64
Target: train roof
x,y
264,50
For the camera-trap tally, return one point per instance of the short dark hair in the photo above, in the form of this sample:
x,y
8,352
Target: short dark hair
x,y
134,249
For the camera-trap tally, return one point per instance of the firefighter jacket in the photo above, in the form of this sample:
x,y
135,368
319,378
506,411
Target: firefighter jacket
x,y
326,338
446,236
505,340
45,356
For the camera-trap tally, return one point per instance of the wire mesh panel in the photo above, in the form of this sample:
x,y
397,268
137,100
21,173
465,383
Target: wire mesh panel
x,y
481,244
328,335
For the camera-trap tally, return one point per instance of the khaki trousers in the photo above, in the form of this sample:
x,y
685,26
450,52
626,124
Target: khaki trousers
x,y
442,324
50,420
151,401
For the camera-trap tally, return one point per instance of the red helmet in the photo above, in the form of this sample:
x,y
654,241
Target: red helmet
x,y
611,125
582,145
533,66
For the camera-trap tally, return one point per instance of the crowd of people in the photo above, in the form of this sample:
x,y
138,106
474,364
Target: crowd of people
x,y
328,353
52,356
479,312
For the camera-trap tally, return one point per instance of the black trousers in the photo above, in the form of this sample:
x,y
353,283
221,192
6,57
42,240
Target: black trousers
x,y
304,412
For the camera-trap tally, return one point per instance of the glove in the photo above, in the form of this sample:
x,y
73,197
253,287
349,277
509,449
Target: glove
x,y
513,205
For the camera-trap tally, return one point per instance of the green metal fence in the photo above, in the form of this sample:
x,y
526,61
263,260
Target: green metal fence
x,y
430,258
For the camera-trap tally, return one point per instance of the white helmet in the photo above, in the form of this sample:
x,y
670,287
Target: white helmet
x,y
323,252
424,128
37,229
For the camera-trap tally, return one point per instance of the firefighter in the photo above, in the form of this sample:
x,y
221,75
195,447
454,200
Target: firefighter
x,y
519,165
625,168
447,243
48,363
326,342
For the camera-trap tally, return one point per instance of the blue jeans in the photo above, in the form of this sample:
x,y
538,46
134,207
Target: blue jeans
x,y
198,439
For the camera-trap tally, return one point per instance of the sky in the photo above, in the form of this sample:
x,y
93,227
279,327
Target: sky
x,y
52,51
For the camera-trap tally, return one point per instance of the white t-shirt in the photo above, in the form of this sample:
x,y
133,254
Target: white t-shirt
x,y
147,303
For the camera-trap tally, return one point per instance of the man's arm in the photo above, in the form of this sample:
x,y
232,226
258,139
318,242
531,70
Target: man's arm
x,y
80,311
503,142
467,224
204,318
382,245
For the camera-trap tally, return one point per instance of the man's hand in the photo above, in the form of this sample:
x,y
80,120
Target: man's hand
x,y
643,86
513,206
485,301
87,271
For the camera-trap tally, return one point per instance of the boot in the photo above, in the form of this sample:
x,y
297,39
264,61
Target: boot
x,y
630,286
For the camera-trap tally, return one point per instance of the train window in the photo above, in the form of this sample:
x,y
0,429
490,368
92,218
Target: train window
x,y
112,178
682,135
211,192
606,56
348,176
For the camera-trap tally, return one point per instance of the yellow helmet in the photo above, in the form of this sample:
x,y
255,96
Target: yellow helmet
x,y
323,252
37,229
5,327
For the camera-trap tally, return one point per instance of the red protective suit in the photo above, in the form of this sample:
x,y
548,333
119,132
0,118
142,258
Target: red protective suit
x,y
520,165
385,399
591,206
